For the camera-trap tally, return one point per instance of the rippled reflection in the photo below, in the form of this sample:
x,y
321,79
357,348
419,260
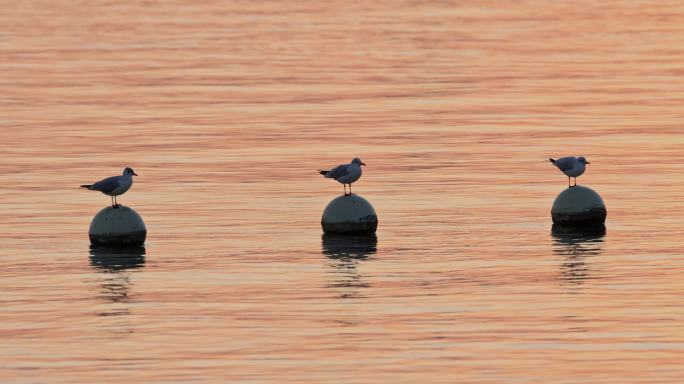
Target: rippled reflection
x,y
346,253
117,259
576,245
115,262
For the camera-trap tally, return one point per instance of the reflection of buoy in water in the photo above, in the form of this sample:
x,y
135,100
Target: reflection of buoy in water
x,y
564,233
120,226
349,214
575,244
578,206
117,258
349,246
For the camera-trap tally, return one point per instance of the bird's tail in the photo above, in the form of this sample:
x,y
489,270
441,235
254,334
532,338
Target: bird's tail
x,y
552,160
86,186
323,172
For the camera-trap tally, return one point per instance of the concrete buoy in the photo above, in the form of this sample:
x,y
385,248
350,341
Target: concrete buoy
x,y
578,206
349,214
121,226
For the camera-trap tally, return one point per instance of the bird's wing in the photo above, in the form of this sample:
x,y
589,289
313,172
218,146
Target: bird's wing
x,y
339,171
107,185
565,163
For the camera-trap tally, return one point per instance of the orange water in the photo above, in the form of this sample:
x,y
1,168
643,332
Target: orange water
x,y
226,109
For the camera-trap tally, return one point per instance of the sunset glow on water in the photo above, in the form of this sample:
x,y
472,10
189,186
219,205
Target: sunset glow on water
x,y
226,110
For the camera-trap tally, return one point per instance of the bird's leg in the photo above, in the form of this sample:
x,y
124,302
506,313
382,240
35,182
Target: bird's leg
x,y
112,198
116,205
575,182
350,189
345,189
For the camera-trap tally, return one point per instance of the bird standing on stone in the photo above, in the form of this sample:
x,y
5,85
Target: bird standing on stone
x,y
114,186
345,173
571,167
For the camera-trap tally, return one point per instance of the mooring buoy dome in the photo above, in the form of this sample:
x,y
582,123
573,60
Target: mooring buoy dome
x,y
117,226
578,205
349,214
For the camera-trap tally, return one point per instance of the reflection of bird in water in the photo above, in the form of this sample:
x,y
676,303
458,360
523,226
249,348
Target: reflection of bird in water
x,y
114,262
576,244
346,252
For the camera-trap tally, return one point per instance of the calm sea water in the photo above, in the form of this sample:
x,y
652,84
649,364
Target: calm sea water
x,y
226,109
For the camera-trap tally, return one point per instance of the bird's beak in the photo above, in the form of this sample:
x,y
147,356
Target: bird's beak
x,y
586,162
363,163
135,174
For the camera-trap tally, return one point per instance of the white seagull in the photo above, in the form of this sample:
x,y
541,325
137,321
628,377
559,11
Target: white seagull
x,y
571,167
345,173
114,186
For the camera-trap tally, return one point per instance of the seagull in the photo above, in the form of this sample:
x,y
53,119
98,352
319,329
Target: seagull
x,y
345,173
114,186
571,167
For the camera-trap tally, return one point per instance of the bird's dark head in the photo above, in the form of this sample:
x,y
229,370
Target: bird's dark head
x,y
583,160
357,161
129,171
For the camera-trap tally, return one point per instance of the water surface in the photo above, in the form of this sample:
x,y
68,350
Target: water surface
x,y
226,109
